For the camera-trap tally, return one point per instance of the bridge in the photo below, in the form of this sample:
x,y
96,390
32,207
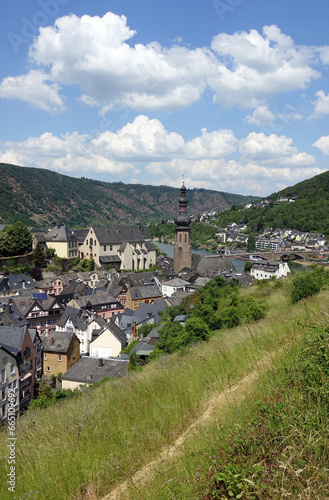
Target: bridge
x,y
301,255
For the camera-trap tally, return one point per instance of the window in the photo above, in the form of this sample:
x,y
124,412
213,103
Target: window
x,y
4,360
4,412
45,357
48,369
4,393
59,357
12,369
3,376
14,385
104,248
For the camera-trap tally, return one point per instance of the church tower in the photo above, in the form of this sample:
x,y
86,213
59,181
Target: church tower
x,y
183,249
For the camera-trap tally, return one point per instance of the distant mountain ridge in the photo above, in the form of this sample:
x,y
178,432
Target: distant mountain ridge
x,y
40,197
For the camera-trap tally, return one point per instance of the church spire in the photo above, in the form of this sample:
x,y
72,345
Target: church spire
x,y
183,249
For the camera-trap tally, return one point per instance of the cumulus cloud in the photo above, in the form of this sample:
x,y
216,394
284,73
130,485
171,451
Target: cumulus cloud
x,y
321,105
35,89
144,151
255,66
322,145
273,148
262,117
97,55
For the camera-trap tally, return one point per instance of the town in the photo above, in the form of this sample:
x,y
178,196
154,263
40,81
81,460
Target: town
x,y
75,328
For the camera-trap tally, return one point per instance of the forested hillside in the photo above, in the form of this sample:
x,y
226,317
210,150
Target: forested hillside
x,y
42,197
308,213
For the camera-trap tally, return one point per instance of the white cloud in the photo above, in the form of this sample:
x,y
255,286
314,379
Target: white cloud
x,y
97,55
256,66
144,151
323,145
272,148
35,89
262,117
93,53
321,105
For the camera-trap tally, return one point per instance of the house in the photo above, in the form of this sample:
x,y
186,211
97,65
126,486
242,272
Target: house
x,y
138,295
63,241
122,247
146,345
42,312
89,370
109,342
101,303
15,284
37,344
268,270
9,384
172,286
82,323
60,351
270,244
18,341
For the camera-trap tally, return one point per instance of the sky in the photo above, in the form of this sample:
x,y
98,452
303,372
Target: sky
x,y
230,95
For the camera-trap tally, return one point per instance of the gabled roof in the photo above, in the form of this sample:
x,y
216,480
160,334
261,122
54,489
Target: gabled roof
x,y
62,341
12,336
107,235
115,330
147,310
95,299
176,282
92,369
144,292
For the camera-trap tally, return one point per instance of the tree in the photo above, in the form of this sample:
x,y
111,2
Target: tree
x,y
38,257
15,240
251,243
86,265
247,267
36,274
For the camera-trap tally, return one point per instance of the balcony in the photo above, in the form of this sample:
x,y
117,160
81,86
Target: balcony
x,y
24,367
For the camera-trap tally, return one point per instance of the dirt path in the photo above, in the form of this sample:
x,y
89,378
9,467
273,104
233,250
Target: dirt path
x,y
220,400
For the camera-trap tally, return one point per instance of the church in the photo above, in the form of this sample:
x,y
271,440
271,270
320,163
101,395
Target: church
x,y
183,249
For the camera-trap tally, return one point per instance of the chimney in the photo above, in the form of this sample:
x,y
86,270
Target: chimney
x,y
100,362
52,341
134,329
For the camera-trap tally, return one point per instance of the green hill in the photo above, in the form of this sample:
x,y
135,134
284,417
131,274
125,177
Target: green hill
x,y
41,197
308,213
245,412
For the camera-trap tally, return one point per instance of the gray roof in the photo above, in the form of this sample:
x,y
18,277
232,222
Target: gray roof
x,y
144,292
213,263
19,281
108,259
60,233
88,369
80,234
12,336
107,235
147,310
61,343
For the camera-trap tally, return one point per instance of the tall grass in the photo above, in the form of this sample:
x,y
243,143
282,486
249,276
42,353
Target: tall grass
x,y
103,436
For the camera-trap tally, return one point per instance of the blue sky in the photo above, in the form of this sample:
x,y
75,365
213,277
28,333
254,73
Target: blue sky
x,y
231,94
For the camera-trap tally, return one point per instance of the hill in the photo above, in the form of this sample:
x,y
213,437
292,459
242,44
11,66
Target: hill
x,y
244,415
41,197
308,213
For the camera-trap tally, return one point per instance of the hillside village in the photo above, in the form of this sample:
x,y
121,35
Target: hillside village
x,y
73,328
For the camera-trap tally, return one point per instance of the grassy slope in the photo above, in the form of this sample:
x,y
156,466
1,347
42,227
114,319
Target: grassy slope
x,y
104,436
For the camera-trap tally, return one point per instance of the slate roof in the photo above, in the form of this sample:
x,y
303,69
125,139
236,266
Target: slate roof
x,y
19,281
144,310
176,298
107,235
144,292
95,299
60,233
212,264
80,234
87,369
12,336
108,259
176,282
61,343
